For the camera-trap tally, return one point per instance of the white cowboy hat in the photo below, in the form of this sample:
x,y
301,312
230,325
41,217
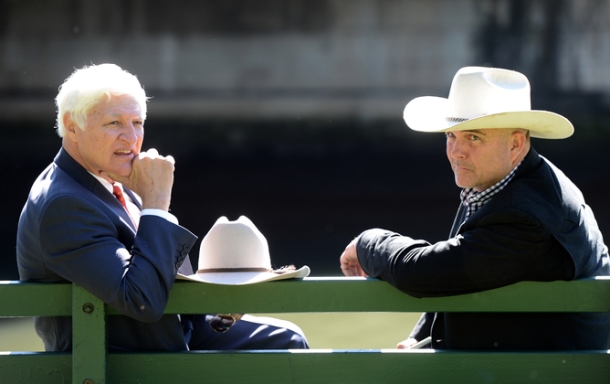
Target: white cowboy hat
x,y
482,98
236,253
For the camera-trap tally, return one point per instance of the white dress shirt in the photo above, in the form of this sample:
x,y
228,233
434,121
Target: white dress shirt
x,y
133,209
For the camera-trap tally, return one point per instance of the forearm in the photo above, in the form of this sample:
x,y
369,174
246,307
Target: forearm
x,y
158,251
387,255
132,275
480,259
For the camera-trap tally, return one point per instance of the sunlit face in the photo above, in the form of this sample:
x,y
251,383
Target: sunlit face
x,y
111,139
480,158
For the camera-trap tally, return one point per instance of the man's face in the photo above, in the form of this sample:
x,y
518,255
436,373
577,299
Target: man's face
x,y
480,158
112,137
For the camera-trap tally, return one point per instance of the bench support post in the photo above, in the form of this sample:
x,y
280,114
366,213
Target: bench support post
x,y
89,338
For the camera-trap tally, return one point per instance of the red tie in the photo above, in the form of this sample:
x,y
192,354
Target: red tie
x,y
118,192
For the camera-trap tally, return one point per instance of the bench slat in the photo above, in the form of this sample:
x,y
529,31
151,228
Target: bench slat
x,y
36,367
35,299
321,366
372,295
327,295
362,367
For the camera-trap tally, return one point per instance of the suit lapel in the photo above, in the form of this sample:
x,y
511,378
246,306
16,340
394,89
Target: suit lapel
x,y
458,221
84,178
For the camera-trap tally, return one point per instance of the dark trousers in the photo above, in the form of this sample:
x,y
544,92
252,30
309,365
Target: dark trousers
x,y
251,332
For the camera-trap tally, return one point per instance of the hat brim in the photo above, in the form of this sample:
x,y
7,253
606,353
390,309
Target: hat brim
x,y
429,114
243,278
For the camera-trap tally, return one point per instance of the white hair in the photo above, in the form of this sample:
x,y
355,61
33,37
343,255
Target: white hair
x,y
85,88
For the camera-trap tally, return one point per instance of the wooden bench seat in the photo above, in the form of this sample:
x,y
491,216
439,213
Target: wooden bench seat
x,y
89,362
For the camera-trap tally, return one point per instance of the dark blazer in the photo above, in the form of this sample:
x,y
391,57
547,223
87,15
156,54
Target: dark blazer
x,y
72,229
538,228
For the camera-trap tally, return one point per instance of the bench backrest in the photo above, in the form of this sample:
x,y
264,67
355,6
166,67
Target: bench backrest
x,y
90,363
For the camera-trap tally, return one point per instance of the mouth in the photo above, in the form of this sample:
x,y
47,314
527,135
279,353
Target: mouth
x,y
124,152
460,168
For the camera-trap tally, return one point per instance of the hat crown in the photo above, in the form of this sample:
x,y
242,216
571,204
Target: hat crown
x,y
234,245
479,91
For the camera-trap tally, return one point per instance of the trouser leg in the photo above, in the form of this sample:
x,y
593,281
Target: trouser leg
x,y
251,332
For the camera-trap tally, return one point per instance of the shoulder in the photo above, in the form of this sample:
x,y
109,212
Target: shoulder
x,y
545,192
54,187
56,199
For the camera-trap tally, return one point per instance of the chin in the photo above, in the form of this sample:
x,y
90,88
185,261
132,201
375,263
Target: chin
x,y
123,172
464,182
460,183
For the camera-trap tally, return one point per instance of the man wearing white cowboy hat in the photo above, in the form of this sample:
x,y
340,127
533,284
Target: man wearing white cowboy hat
x,y
520,219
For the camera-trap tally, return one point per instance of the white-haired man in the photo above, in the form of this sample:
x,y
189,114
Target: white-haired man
x,y
520,219
99,216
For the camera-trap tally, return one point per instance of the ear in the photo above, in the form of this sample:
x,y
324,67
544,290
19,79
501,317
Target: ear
x,y
71,127
518,143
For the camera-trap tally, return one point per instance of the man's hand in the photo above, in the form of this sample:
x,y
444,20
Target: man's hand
x,y
152,178
406,344
349,261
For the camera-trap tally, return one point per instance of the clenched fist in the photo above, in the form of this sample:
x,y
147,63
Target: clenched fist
x,y
152,178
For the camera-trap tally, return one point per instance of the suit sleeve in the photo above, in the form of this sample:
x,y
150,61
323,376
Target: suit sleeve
x,y
501,249
85,245
423,327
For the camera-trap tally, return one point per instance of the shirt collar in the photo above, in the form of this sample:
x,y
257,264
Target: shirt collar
x,y
474,200
105,183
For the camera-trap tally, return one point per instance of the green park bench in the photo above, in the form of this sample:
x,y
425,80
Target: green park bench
x,y
90,363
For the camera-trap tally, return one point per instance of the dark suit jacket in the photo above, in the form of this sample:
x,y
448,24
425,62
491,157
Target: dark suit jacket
x,y
538,228
72,229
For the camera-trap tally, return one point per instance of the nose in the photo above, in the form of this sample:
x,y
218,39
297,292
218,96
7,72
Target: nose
x,y
455,149
130,133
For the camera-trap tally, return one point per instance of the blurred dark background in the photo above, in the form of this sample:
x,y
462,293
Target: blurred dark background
x,y
290,111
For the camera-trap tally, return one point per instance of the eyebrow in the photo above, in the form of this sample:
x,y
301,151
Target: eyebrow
x,y
477,131
119,114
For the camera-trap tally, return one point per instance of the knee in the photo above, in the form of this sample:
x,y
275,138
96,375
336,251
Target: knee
x,y
298,341
277,334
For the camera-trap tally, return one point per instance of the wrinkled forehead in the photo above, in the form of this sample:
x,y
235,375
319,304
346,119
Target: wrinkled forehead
x,y
117,106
